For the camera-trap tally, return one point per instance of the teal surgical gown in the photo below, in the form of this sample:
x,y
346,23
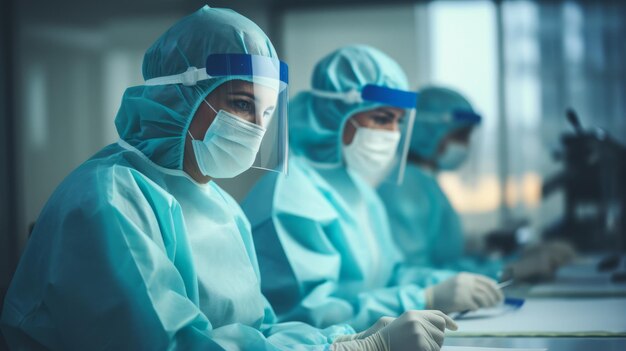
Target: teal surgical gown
x,y
127,255
129,252
325,249
425,225
322,235
427,228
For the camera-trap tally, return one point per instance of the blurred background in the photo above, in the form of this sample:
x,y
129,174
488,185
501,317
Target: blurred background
x,y
65,64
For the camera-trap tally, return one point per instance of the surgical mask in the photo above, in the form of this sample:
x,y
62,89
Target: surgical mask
x,y
371,152
229,147
453,156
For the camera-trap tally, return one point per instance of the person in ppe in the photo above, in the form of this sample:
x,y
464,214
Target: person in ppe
x,y
325,250
424,223
138,248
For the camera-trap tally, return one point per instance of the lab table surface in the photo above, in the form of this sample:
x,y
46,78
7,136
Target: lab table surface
x,y
551,344
581,271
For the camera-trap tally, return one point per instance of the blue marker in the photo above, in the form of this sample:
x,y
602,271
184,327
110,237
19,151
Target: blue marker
x,y
514,302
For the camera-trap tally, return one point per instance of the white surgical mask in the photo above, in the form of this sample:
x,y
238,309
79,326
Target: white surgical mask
x,y
229,147
371,153
453,156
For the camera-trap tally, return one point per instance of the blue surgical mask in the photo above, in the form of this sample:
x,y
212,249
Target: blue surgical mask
x,y
453,156
229,146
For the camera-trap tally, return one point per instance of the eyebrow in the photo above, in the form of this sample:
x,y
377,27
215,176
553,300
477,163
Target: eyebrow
x,y
387,113
244,93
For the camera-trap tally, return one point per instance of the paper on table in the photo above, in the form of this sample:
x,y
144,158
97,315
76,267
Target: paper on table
x,y
474,348
553,317
584,268
487,312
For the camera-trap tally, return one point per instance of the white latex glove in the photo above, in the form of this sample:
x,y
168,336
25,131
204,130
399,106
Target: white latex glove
x,y
412,331
381,323
464,291
560,252
541,261
535,267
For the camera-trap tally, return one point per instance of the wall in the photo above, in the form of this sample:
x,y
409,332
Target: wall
x,y
308,35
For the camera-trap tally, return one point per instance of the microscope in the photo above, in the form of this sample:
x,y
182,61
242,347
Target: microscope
x,y
593,181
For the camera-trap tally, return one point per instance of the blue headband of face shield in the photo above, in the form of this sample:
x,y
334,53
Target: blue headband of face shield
x,y
466,117
373,93
221,65
247,65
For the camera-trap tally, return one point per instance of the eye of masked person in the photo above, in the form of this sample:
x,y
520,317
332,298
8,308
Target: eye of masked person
x,y
251,102
384,118
246,107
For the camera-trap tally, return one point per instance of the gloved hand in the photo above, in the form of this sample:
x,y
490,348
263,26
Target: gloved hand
x,y
560,252
540,262
464,291
412,331
530,269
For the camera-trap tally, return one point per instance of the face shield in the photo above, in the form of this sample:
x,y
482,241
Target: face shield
x,y
255,89
384,97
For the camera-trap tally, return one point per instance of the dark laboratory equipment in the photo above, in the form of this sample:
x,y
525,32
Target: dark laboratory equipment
x,y
508,239
593,182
